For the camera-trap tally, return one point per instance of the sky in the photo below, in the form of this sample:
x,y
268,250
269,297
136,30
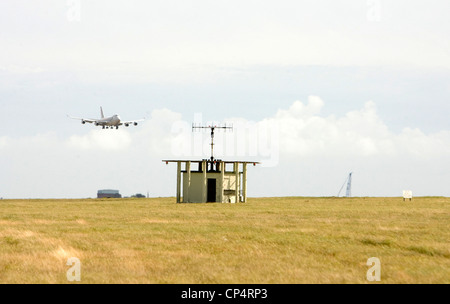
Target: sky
x,y
314,90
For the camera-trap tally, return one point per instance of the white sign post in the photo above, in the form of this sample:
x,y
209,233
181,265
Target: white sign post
x,y
407,194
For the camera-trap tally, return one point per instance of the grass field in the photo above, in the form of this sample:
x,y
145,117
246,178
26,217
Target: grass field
x,y
267,240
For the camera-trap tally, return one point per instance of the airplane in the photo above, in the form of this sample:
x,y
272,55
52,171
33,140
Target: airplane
x,y
108,122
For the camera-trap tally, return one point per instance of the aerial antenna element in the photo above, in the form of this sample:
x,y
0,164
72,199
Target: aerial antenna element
x,y
212,127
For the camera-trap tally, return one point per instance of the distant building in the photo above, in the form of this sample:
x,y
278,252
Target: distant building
x,y
138,195
108,193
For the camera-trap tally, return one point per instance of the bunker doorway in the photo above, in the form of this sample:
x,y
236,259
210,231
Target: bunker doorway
x,y
211,196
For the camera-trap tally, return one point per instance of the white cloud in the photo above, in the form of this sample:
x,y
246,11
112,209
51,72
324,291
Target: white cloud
x,y
106,140
416,143
304,132
4,141
155,134
299,110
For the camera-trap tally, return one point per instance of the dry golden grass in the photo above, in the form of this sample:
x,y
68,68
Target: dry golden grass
x,y
267,240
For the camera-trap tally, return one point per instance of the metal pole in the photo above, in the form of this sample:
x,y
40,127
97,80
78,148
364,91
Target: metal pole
x,y
212,144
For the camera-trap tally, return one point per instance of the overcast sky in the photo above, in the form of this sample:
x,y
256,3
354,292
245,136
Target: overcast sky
x,y
315,90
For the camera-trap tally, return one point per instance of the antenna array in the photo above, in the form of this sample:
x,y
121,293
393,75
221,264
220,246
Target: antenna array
x,y
224,127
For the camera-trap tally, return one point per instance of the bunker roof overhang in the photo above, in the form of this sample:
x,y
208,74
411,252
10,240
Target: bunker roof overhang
x,y
208,160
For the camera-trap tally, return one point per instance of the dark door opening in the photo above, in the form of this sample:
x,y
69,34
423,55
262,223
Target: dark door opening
x,y
211,195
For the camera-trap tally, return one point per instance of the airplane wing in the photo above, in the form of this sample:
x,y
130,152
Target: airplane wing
x,y
131,122
83,120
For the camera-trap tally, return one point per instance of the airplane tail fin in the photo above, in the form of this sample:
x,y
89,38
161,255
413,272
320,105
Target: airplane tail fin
x,y
101,112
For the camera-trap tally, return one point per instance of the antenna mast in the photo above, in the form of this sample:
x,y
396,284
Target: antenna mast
x,y
349,185
213,127
348,180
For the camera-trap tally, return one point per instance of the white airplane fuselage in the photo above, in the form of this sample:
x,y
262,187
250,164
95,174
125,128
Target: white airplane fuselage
x,y
112,121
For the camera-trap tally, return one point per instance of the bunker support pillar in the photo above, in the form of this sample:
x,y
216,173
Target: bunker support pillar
x,y
188,172
222,178
178,182
205,180
236,172
244,182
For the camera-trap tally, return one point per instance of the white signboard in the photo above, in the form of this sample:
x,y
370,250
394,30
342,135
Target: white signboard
x,y
407,194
